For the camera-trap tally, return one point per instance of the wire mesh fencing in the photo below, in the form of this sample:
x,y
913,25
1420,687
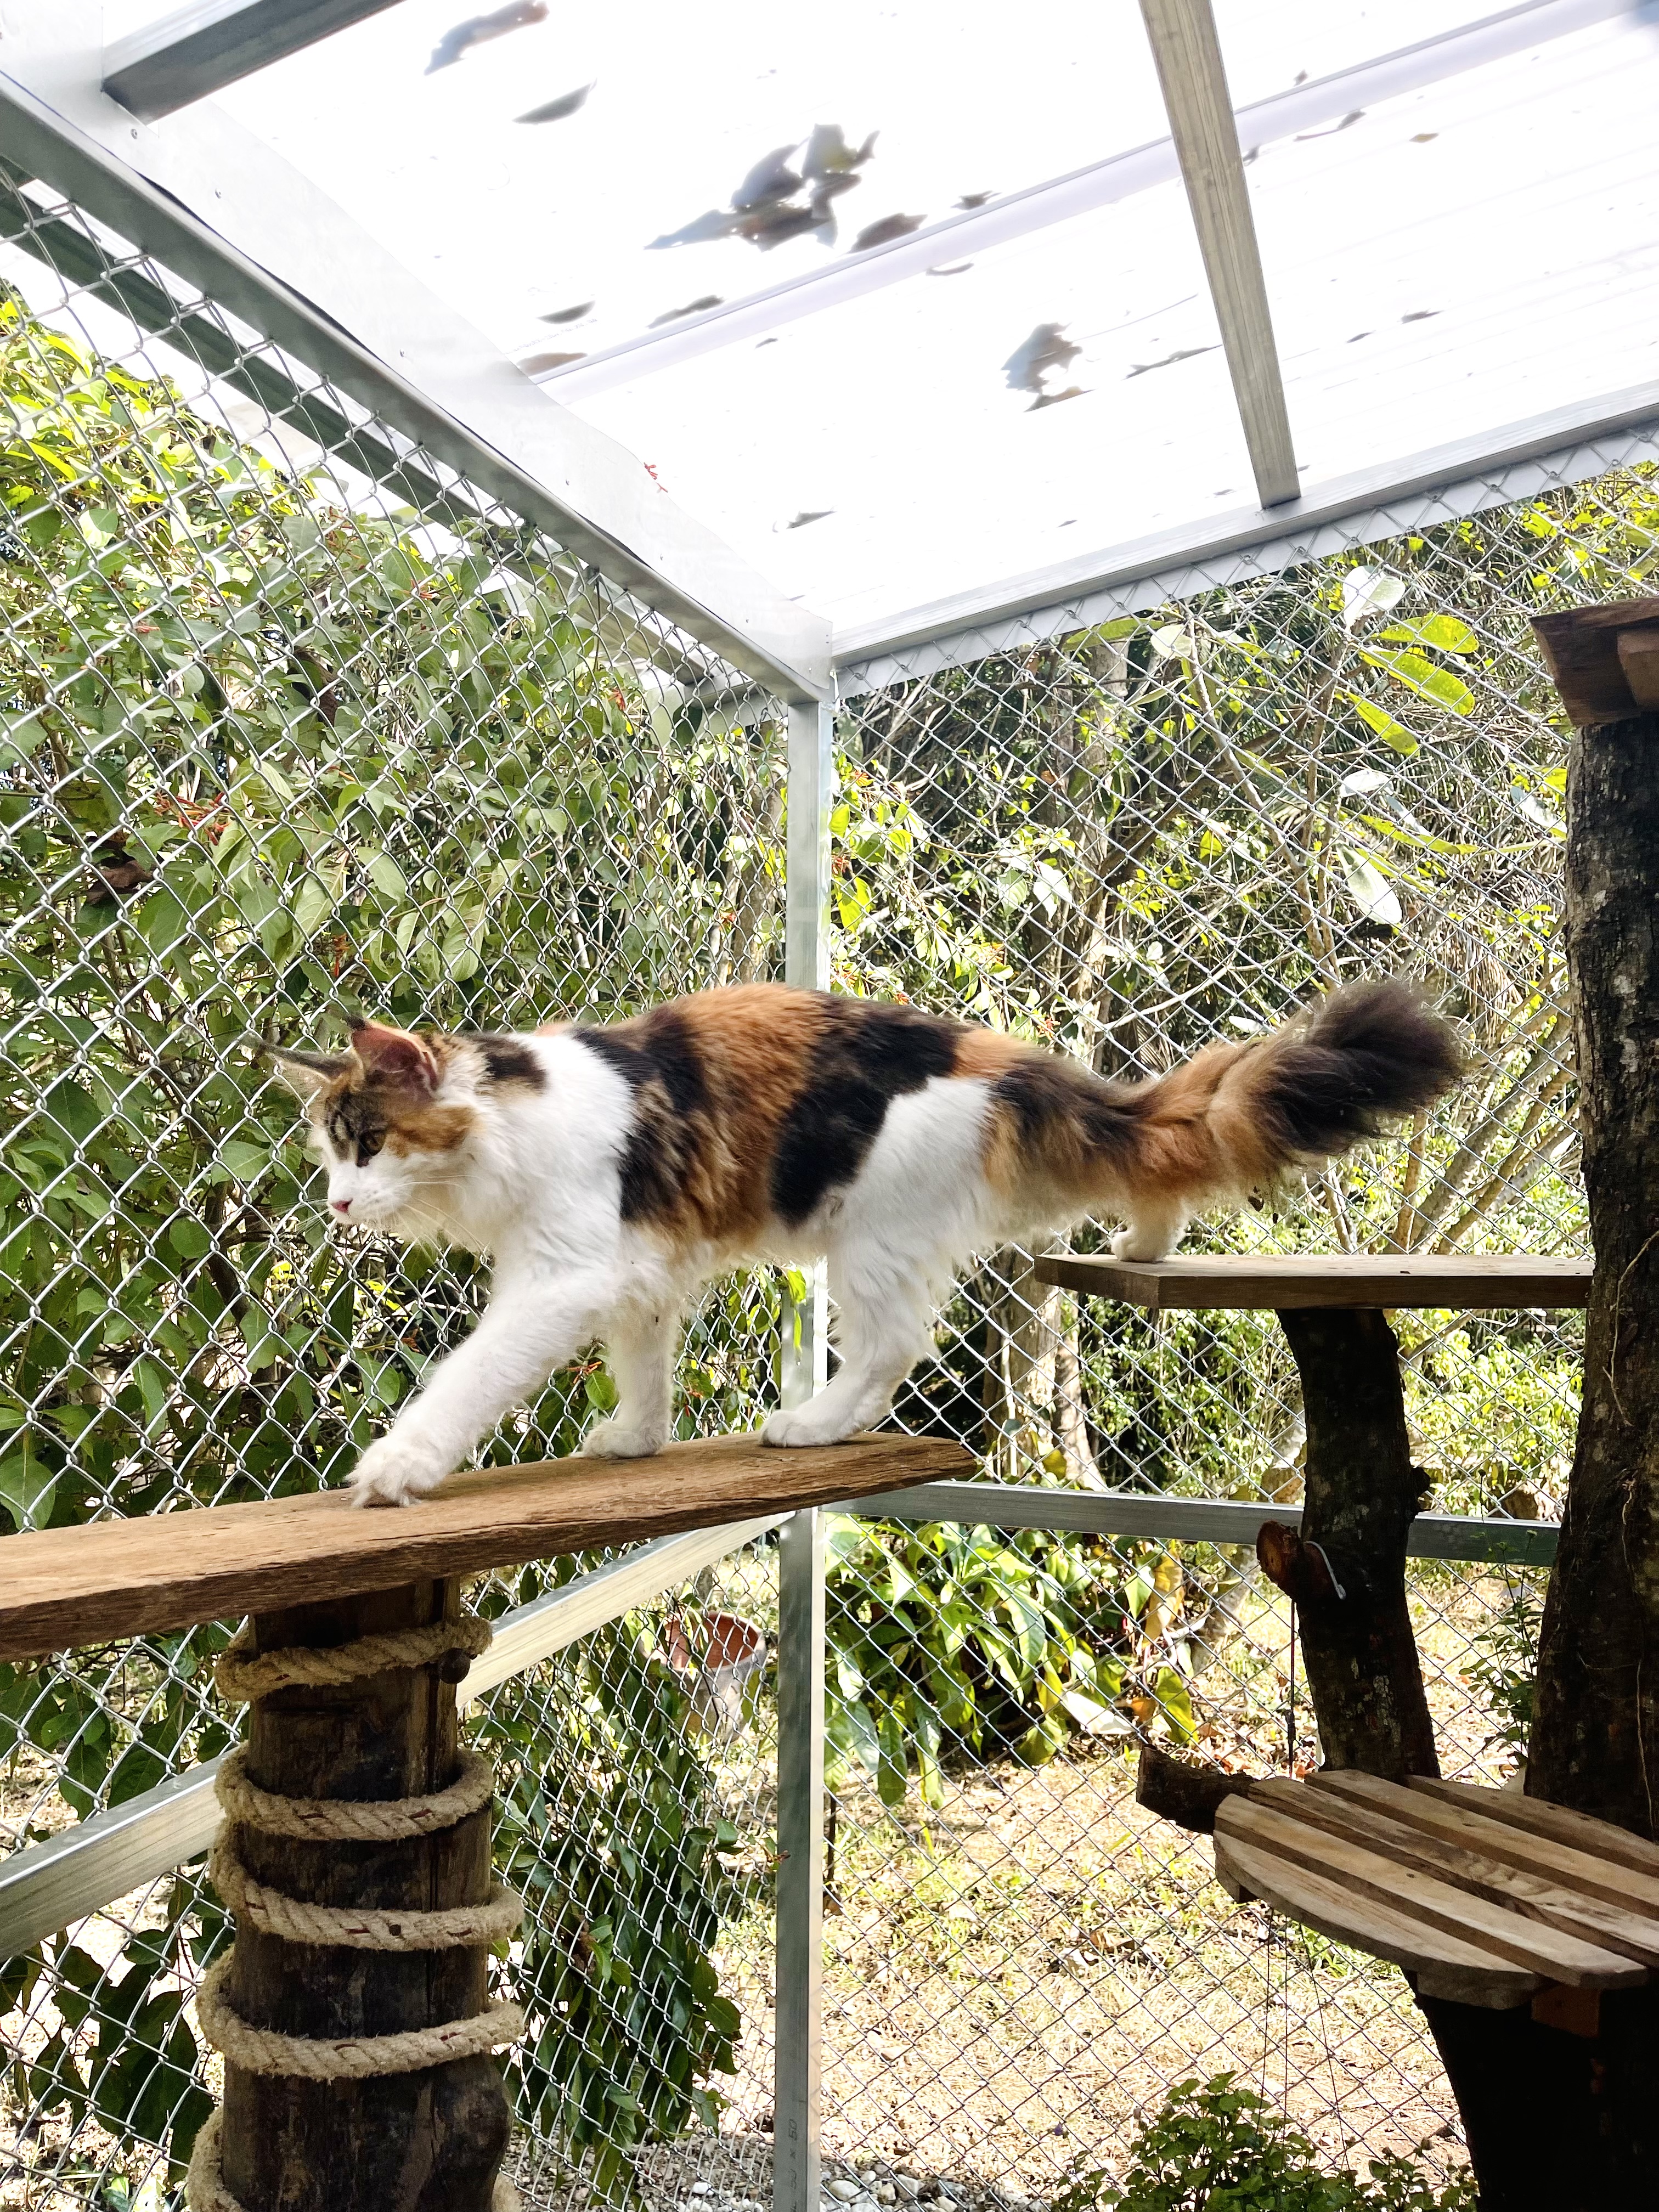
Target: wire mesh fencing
x,y
297,724
1129,841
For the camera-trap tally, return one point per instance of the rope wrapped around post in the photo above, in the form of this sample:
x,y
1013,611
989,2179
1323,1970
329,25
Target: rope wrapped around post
x,y
242,1675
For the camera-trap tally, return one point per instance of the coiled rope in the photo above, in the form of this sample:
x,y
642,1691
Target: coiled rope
x,y
243,1674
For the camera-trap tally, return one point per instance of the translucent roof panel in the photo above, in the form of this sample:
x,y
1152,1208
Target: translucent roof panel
x,y
801,267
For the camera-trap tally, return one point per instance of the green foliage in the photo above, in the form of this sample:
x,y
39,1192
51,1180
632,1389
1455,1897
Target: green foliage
x,y
1506,1669
270,757
608,1824
946,1641
1216,2148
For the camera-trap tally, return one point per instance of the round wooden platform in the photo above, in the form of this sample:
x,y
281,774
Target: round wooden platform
x,y
1485,1896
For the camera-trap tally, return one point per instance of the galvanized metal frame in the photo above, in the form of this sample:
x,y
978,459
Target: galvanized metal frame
x,y
1192,76
1186,1520
1463,477
798,1976
198,50
222,211
803,1354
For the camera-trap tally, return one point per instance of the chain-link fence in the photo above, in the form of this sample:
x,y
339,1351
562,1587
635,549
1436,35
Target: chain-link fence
x,y
297,724
1128,841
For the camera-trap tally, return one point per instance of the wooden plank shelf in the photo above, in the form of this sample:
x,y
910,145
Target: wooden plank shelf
x,y
63,1586
1485,1896
1204,1283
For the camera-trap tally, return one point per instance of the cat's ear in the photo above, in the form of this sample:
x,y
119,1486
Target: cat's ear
x,y
395,1056
307,1072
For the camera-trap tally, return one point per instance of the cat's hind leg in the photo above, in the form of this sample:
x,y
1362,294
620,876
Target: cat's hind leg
x,y
1151,1230
885,1325
640,1344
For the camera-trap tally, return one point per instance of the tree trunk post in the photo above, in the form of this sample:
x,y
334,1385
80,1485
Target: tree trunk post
x,y
429,2141
1595,1743
1345,1571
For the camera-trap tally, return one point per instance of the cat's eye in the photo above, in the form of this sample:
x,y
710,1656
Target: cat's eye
x,y
367,1148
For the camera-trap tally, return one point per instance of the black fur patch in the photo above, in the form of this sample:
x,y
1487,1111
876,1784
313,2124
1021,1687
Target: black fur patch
x,y
507,1060
1042,1093
867,1055
354,1120
1369,1052
657,1055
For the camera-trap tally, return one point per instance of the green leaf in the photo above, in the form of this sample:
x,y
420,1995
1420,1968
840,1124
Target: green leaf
x,y
1174,1699
1442,686
27,1486
1378,719
1366,887
1445,633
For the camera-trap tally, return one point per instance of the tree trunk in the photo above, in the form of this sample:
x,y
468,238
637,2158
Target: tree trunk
x,y
426,2142
1595,1740
1362,1494
1558,2120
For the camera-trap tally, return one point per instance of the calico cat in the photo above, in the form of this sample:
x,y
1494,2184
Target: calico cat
x,y
610,1171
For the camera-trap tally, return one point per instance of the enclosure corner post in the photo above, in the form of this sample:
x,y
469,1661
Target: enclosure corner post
x,y
800,1961
804,1353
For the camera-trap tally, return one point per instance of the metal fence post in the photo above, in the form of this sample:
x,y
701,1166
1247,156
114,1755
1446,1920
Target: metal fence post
x,y
803,1369
799,1963
804,1361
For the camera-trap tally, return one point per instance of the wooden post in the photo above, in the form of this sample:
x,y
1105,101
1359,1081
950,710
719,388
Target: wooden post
x,y
426,2142
1347,1570
1554,2117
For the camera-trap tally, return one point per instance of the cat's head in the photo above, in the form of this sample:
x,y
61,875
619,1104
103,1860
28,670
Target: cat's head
x,y
391,1119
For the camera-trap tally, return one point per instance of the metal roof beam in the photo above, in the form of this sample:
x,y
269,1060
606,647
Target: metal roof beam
x,y
1094,586
1187,50
363,323
198,50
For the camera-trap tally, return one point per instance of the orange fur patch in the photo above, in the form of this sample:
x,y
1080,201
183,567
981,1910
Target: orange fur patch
x,y
752,1043
429,1129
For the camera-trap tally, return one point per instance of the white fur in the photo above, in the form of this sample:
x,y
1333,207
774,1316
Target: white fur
x,y
539,1189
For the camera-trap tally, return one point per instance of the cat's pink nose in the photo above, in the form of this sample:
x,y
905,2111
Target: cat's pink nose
x,y
342,1205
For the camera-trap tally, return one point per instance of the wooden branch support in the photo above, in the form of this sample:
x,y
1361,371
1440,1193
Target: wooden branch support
x,y
426,2140
1347,1570
1181,1791
354,2011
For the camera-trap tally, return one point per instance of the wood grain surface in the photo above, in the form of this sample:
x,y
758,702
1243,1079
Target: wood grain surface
x,y
1581,647
1206,1283
1436,1877
63,1586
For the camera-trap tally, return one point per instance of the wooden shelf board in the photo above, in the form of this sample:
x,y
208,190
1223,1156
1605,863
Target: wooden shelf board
x,y
1532,1895
1445,1965
1436,1879
1229,1282
1558,1822
1596,1872
1372,1877
63,1586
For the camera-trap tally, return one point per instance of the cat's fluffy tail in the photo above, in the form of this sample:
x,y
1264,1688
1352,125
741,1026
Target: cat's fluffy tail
x,y
1240,1118
1337,1074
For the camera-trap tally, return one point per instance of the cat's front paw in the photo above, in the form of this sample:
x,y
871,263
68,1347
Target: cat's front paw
x,y
614,1439
803,1425
396,1471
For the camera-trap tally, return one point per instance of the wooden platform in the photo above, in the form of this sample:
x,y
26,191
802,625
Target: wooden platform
x,y
63,1586
1206,1283
1485,1896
